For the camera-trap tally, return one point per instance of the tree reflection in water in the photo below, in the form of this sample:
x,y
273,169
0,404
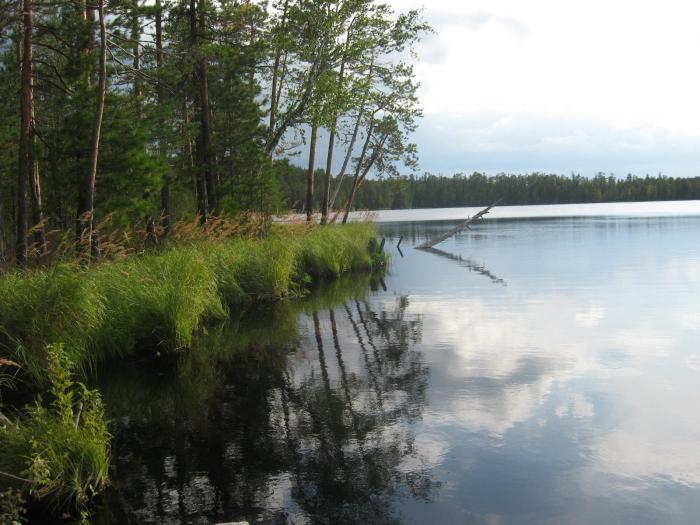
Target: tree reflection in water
x,y
297,413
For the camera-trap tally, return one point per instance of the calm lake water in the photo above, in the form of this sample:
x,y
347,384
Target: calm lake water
x,y
532,370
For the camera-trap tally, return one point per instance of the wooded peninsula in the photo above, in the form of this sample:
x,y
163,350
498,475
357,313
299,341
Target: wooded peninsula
x,y
143,144
478,189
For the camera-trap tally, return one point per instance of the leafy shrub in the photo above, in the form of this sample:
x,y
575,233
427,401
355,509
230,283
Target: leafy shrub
x,y
61,450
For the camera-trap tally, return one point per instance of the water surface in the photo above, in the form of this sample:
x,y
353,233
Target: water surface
x,y
538,370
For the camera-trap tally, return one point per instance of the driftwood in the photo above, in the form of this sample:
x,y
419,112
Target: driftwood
x,y
462,226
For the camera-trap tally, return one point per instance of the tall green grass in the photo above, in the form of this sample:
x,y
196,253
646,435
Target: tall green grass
x,y
159,299
45,306
163,298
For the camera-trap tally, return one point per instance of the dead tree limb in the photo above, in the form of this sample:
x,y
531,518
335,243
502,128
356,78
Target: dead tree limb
x,y
464,225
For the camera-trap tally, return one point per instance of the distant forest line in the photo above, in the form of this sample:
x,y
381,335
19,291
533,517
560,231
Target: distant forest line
x,y
440,191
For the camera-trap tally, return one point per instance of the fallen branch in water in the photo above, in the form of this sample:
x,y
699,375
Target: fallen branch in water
x,y
464,225
467,263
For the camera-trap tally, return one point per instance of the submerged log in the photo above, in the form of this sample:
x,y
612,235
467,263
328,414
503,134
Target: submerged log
x,y
462,226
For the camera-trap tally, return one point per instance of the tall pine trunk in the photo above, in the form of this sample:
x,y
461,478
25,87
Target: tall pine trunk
x,y
136,50
205,136
310,172
205,117
200,168
277,76
86,205
3,244
165,189
26,132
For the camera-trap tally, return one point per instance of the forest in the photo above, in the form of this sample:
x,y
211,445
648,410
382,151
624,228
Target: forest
x,y
478,189
137,114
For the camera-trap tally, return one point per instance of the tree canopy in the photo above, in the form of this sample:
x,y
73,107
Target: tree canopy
x,y
148,110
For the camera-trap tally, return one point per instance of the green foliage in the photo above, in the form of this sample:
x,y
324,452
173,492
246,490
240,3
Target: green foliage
x,y
332,250
163,298
339,63
43,306
267,269
61,449
434,191
160,298
7,378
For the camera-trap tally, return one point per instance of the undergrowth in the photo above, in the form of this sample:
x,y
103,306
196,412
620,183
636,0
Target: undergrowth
x,y
57,452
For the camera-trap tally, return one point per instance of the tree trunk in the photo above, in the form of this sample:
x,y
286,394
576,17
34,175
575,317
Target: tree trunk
x,y
26,132
136,50
351,146
3,244
349,201
37,209
205,136
293,115
205,116
348,156
437,239
328,177
356,178
277,77
310,172
38,226
188,151
331,144
88,14
165,189
201,104
86,206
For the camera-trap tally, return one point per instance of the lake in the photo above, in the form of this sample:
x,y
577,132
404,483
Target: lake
x,y
543,367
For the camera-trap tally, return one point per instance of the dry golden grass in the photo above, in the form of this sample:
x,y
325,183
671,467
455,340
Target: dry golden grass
x,y
61,246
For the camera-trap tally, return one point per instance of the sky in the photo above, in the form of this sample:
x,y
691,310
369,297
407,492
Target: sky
x,y
560,86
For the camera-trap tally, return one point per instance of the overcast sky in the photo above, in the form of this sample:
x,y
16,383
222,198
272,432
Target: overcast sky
x,y
560,86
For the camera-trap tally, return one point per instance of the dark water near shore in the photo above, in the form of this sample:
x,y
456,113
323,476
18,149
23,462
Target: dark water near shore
x,y
530,371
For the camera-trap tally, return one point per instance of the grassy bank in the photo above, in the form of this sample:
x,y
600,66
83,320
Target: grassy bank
x,y
162,299
56,322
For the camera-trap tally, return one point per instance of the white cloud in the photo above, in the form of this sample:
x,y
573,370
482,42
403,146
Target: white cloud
x,y
578,406
595,70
